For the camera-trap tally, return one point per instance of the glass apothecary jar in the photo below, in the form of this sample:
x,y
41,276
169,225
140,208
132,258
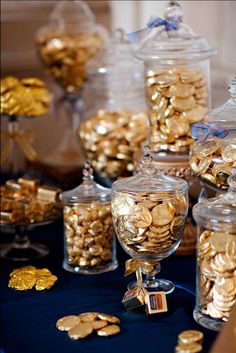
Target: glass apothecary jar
x,y
116,125
216,257
177,79
149,212
68,41
213,155
89,236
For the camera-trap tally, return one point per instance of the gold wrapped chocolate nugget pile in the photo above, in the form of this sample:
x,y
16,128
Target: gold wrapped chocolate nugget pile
x,y
26,97
217,269
176,99
110,140
189,341
149,223
213,160
81,326
65,55
27,277
89,234
25,201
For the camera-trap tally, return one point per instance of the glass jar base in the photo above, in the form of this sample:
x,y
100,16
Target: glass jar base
x,y
90,271
206,321
23,253
158,285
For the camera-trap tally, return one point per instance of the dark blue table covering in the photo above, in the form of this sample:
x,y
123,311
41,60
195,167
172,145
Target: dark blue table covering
x,y
28,318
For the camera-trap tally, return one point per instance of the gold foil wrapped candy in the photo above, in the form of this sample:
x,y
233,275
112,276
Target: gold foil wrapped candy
x,y
110,140
26,97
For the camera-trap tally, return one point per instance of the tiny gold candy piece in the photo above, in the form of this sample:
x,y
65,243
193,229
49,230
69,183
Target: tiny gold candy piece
x,y
81,330
88,316
67,322
98,324
190,336
188,348
109,331
110,318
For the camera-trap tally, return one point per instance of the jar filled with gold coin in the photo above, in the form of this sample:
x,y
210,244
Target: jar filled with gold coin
x,y
216,257
176,78
149,213
213,155
89,237
116,123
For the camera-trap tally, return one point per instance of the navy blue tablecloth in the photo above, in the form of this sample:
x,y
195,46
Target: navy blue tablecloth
x,y
28,318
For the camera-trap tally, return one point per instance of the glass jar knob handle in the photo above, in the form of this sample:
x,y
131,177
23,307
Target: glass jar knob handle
x,y
232,89
174,12
147,166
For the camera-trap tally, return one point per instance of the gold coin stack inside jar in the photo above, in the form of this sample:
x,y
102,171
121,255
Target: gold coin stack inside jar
x,y
111,139
150,223
89,234
176,98
88,230
217,266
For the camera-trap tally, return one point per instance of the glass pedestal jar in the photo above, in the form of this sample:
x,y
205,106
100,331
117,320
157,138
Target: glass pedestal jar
x,y
216,258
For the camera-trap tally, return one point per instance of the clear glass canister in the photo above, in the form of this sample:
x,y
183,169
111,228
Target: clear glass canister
x,y
177,80
89,237
213,155
68,41
149,212
116,123
216,257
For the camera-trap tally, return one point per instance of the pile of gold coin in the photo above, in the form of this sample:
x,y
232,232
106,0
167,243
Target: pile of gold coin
x,y
81,326
217,267
189,341
149,223
110,140
89,234
27,277
176,99
25,201
65,56
26,97
213,159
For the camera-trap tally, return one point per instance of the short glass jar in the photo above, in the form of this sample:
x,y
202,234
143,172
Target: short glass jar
x,y
213,156
115,122
177,79
89,236
216,257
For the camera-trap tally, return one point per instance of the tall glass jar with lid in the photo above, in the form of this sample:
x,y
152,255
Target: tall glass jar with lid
x,y
216,257
177,79
116,123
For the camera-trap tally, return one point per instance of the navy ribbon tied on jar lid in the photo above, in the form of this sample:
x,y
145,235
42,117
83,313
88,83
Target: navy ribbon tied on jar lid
x,y
153,22
201,131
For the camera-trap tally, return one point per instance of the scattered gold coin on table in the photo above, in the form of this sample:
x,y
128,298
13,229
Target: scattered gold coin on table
x,y
189,341
81,326
27,277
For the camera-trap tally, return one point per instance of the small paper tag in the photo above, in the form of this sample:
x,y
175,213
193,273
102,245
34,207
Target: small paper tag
x,y
156,302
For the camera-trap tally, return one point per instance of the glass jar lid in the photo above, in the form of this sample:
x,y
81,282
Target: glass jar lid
x,y
219,213
149,179
115,65
172,39
87,191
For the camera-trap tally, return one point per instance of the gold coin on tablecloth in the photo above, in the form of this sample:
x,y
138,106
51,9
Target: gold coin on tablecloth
x,y
190,336
109,330
90,316
22,281
110,318
67,322
81,330
161,215
188,348
98,324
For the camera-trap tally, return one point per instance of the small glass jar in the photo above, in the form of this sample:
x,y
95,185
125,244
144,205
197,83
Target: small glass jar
x,y
177,79
68,41
216,257
213,156
149,212
116,123
89,237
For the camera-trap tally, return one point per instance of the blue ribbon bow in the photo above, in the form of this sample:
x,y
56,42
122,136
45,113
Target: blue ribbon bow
x,y
152,23
201,131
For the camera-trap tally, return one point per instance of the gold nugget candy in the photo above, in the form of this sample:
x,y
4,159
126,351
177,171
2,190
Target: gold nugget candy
x,y
88,228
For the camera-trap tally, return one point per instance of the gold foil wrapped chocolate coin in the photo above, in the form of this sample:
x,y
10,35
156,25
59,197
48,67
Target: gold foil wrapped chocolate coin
x,y
23,97
110,140
176,98
27,277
